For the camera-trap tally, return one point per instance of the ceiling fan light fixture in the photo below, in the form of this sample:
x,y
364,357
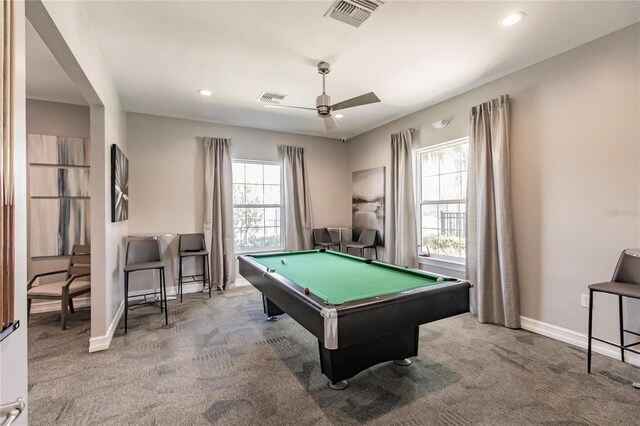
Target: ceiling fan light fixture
x,y
204,92
512,19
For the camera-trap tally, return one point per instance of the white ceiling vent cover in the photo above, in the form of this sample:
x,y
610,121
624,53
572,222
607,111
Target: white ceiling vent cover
x,y
271,98
353,12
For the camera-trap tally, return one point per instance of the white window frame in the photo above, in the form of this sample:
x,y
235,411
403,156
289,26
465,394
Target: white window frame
x,y
447,262
280,246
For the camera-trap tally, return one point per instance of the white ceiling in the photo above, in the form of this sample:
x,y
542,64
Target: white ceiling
x,y
45,78
411,54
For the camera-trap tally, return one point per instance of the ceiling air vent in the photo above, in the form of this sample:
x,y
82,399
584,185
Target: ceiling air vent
x,y
353,12
271,98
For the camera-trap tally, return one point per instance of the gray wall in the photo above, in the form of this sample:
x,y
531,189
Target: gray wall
x,y
575,161
53,118
166,169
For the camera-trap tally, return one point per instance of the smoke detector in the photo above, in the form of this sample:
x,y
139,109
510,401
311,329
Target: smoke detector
x,y
353,12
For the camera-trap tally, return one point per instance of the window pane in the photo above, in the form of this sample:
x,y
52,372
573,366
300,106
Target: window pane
x,y
430,240
256,184
272,216
451,187
272,174
240,238
254,217
429,215
239,225
272,194
444,177
254,194
430,163
449,159
238,193
464,157
255,237
430,190
253,173
272,236
238,217
452,221
238,172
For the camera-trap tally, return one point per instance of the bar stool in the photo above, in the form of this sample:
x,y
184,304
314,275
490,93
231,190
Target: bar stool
x,y
193,245
625,283
144,255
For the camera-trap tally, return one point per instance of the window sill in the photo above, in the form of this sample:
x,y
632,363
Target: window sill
x,y
442,263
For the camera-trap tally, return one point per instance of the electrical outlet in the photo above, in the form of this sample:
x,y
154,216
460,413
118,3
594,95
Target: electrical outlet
x,y
584,300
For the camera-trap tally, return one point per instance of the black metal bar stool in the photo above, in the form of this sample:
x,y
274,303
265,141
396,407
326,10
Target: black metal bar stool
x,y
144,255
193,245
625,283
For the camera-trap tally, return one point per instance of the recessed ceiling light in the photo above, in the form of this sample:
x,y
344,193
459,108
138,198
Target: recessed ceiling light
x,y
204,92
511,19
339,115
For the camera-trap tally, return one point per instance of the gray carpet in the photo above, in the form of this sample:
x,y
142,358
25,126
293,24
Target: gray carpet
x,y
220,362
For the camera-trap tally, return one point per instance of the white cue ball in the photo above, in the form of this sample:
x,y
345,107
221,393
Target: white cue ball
x,y
440,279
283,260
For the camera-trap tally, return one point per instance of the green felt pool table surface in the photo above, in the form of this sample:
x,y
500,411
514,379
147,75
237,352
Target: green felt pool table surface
x,y
339,278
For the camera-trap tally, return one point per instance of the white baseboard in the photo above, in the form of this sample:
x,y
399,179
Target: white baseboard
x,y
576,339
55,305
100,343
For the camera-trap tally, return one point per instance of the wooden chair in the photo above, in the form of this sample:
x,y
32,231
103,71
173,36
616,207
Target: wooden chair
x,y
72,286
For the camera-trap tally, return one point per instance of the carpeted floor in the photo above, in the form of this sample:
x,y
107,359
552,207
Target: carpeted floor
x,y
220,362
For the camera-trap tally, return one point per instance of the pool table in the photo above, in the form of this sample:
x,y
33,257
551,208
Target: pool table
x,y
362,312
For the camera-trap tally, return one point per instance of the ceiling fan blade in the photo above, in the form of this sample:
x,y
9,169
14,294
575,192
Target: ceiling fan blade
x,y
367,98
329,123
288,106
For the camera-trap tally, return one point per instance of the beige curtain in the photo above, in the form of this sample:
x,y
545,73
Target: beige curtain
x,y
298,222
218,211
7,281
491,260
404,250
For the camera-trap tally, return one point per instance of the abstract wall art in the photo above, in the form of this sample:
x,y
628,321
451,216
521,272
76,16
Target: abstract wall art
x,y
51,181
119,185
58,224
59,189
368,202
58,150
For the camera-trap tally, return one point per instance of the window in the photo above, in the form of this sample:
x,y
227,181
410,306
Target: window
x,y
441,175
257,205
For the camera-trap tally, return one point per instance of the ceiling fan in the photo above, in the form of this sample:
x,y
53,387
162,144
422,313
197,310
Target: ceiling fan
x,y
323,102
